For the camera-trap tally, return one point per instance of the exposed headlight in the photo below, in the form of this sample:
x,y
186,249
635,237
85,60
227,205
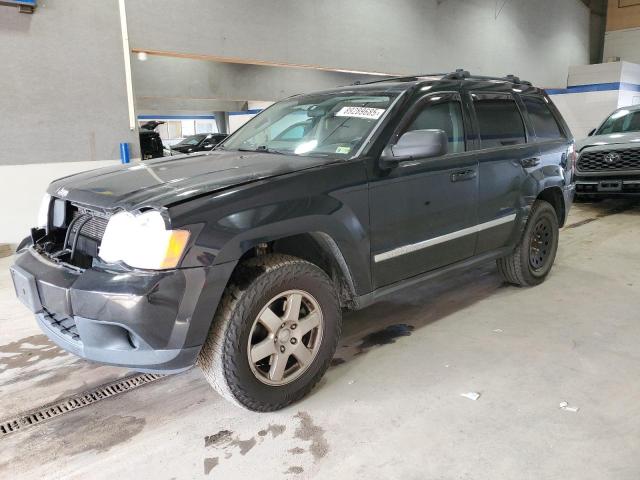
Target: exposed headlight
x,y
142,241
43,212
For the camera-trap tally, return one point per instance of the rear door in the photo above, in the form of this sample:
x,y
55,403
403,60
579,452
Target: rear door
x,y
423,211
505,150
552,136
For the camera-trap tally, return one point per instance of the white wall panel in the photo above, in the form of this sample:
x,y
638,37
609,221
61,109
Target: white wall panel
x,y
22,189
624,44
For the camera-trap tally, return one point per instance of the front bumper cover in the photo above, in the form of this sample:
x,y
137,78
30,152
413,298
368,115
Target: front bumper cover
x,y
608,184
147,321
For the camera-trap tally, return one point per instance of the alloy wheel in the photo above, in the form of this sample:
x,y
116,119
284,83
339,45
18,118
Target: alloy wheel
x,y
285,337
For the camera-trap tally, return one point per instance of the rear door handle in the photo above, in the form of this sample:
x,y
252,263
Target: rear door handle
x,y
530,162
463,175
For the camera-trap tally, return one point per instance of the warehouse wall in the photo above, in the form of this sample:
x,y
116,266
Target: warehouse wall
x,y
62,83
537,40
179,85
64,107
623,44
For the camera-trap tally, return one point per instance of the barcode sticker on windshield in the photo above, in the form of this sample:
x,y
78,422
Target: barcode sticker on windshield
x,y
361,112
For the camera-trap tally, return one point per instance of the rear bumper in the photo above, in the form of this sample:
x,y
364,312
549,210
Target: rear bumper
x,y
152,322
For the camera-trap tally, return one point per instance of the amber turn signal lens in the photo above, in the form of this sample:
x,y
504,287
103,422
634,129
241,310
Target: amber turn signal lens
x,y
178,240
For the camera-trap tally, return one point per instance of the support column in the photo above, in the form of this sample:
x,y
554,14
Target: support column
x,y
222,121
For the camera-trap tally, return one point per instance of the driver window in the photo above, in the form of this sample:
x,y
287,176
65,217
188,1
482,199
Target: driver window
x,y
442,115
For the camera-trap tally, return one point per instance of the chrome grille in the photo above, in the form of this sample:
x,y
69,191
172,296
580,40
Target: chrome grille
x,y
609,160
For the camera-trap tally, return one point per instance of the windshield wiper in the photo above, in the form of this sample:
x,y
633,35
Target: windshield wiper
x,y
261,148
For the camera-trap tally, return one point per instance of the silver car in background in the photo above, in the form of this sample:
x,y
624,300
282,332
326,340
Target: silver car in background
x,y
609,158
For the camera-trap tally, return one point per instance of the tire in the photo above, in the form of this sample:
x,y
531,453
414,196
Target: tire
x,y
531,261
224,358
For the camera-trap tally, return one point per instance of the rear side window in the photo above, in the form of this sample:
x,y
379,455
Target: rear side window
x,y
499,120
542,119
442,115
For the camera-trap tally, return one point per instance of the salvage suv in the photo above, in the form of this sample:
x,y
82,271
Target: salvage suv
x,y
609,159
242,259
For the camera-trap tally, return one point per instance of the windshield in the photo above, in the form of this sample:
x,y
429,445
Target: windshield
x,y
621,121
192,140
331,124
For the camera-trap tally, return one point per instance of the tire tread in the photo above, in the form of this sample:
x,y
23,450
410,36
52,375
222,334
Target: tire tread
x,y
217,360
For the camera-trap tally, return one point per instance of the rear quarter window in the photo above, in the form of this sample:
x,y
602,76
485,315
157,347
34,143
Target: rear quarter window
x,y
542,119
500,123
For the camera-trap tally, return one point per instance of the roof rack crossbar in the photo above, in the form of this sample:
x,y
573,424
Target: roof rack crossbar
x,y
461,74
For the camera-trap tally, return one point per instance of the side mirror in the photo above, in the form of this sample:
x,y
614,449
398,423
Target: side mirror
x,y
415,145
207,145
592,132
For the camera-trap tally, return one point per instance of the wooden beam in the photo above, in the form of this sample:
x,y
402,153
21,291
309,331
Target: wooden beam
x,y
247,61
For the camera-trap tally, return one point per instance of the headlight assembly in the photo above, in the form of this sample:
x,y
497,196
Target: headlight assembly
x,y
43,212
142,241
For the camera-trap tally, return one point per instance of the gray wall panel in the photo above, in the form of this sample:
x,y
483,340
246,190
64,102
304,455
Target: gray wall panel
x,y
535,39
62,84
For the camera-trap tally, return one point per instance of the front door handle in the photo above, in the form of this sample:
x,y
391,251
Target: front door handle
x,y
463,175
530,162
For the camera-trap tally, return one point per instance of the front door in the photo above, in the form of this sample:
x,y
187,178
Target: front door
x,y
423,212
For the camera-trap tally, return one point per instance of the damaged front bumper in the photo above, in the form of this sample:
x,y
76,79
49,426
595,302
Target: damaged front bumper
x,y
147,321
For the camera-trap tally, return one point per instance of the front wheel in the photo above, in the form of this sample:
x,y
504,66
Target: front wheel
x,y
274,334
531,261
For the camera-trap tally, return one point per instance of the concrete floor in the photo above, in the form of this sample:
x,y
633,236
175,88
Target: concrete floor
x,y
391,405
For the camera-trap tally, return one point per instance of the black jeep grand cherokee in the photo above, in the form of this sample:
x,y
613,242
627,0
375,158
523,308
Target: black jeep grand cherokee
x,y
242,259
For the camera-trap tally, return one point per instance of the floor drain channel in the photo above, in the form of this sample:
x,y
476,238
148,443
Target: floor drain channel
x,y
74,402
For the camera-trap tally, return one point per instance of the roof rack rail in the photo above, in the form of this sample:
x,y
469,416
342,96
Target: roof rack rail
x,y
403,78
459,74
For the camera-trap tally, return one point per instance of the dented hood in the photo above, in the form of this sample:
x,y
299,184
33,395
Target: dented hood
x,y
163,181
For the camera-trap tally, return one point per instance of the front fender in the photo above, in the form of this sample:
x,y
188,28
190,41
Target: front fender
x,y
330,200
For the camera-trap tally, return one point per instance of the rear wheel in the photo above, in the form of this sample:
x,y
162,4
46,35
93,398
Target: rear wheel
x,y
531,261
274,333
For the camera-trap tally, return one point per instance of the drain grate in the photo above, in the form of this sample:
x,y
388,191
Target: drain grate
x,y
74,402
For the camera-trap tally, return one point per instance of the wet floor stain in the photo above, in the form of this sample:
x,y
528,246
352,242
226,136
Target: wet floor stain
x,y
102,435
296,470
225,444
385,336
274,430
606,209
28,351
210,464
309,432
220,437
244,445
581,223
60,438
